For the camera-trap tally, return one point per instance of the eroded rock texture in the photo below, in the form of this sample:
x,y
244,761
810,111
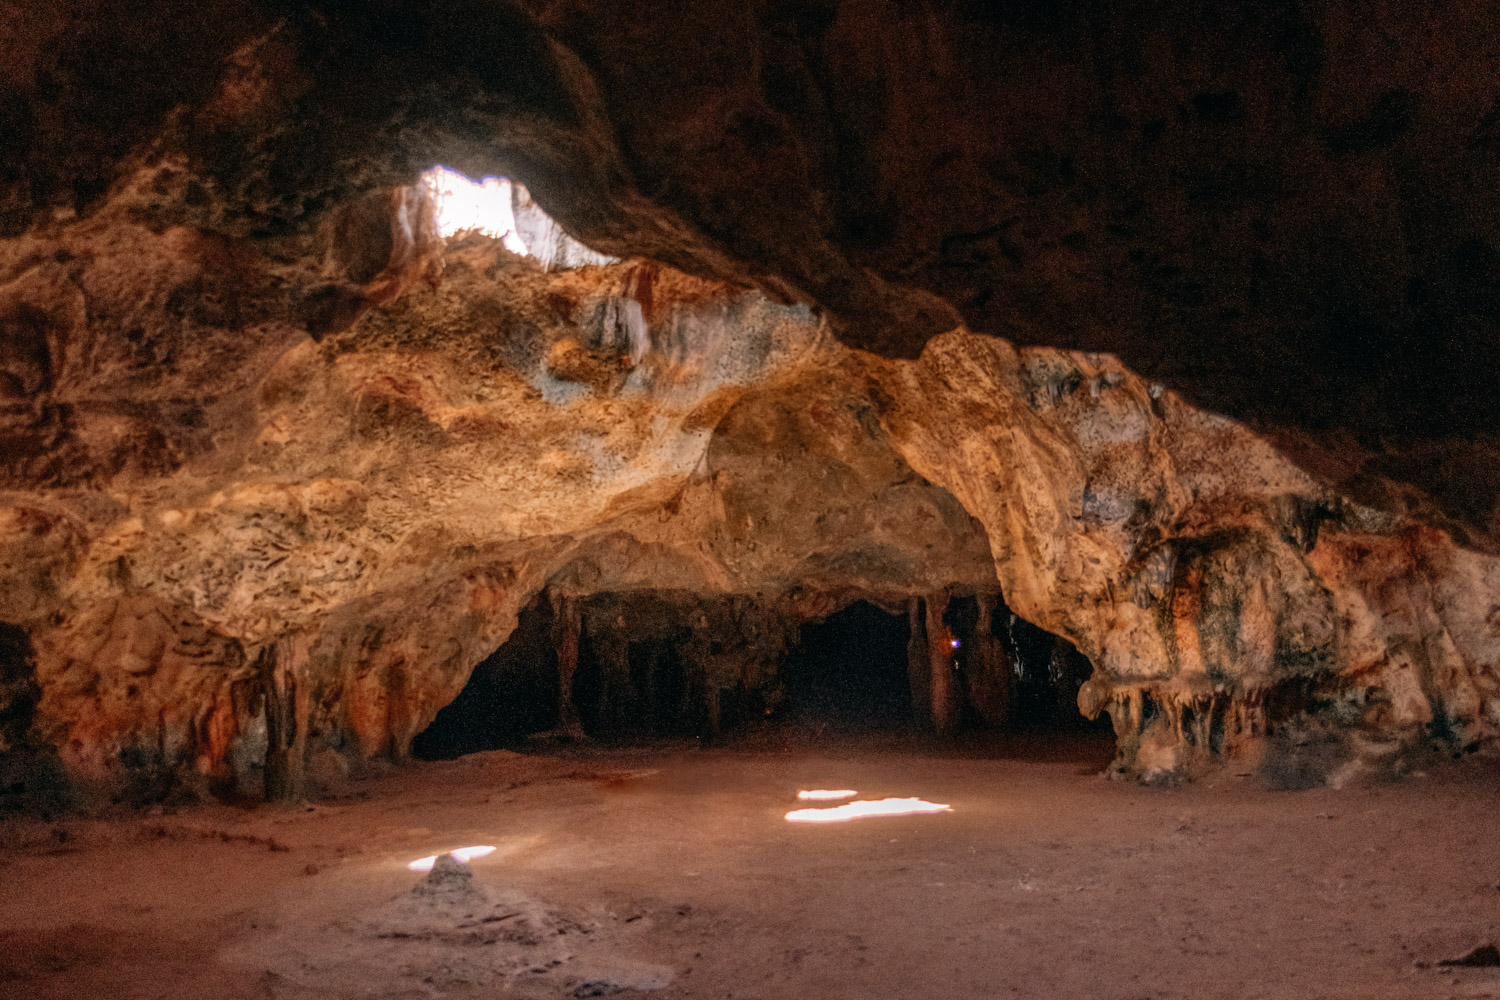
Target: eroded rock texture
x,y
278,468
230,548
342,529
1285,210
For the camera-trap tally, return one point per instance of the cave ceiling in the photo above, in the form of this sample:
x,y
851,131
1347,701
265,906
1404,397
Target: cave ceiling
x,y
1286,211
1168,328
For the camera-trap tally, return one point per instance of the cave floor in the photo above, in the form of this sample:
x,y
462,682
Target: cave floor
x,y
674,866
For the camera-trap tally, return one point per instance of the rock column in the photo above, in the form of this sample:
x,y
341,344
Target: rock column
x,y
918,662
617,694
568,631
991,676
946,697
280,665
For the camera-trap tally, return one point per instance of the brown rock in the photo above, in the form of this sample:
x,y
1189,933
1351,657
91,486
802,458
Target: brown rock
x,y
386,501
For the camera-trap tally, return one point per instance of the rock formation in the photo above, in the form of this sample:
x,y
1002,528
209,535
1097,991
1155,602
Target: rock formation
x,y
1285,211
228,553
278,467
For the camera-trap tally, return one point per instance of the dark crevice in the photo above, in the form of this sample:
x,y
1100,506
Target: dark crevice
x,y
511,693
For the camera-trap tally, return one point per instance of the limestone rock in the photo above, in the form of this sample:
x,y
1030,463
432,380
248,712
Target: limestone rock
x,y
199,495
1284,211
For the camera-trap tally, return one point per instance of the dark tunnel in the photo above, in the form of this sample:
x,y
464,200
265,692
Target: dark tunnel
x,y
849,670
511,693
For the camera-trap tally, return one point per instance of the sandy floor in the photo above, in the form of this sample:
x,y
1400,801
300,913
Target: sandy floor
x,y
674,868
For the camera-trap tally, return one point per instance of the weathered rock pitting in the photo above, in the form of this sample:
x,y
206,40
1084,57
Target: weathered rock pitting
x,y
228,547
1286,211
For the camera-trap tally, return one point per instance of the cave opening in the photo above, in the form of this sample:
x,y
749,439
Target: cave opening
x,y
31,775
18,688
623,667
462,204
502,209
19,694
512,693
849,671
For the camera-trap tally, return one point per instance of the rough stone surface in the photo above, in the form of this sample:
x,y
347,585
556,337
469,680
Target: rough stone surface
x,y
1286,210
223,540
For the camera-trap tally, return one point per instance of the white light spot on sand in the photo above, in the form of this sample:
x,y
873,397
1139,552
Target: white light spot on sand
x,y
464,854
864,809
826,794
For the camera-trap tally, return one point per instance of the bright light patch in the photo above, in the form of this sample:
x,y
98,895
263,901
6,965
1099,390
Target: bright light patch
x,y
464,854
485,206
953,644
826,794
864,809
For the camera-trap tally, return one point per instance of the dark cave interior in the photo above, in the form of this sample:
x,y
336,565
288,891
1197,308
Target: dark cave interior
x,y
511,693
850,670
846,674
838,498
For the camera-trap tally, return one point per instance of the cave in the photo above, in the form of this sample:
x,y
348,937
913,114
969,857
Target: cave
x,y
510,694
509,498
849,671
646,667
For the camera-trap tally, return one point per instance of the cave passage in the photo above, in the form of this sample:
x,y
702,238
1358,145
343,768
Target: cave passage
x,y
641,665
1044,671
653,665
850,670
511,693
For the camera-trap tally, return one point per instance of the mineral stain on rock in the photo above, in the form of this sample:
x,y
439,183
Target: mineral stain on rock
x,y
361,526
892,372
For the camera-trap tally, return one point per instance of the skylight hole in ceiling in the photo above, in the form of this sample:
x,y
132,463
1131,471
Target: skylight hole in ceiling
x,y
504,210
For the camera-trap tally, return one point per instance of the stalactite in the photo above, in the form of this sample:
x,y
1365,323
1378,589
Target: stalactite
x,y
625,327
1203,733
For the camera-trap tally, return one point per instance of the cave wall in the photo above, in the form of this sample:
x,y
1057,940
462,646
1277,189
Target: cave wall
x,y
209,514
1286,210
1199,569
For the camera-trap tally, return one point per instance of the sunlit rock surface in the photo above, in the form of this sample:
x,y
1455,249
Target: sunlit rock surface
x,y
1216,587
375,507
263,507
1286,211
